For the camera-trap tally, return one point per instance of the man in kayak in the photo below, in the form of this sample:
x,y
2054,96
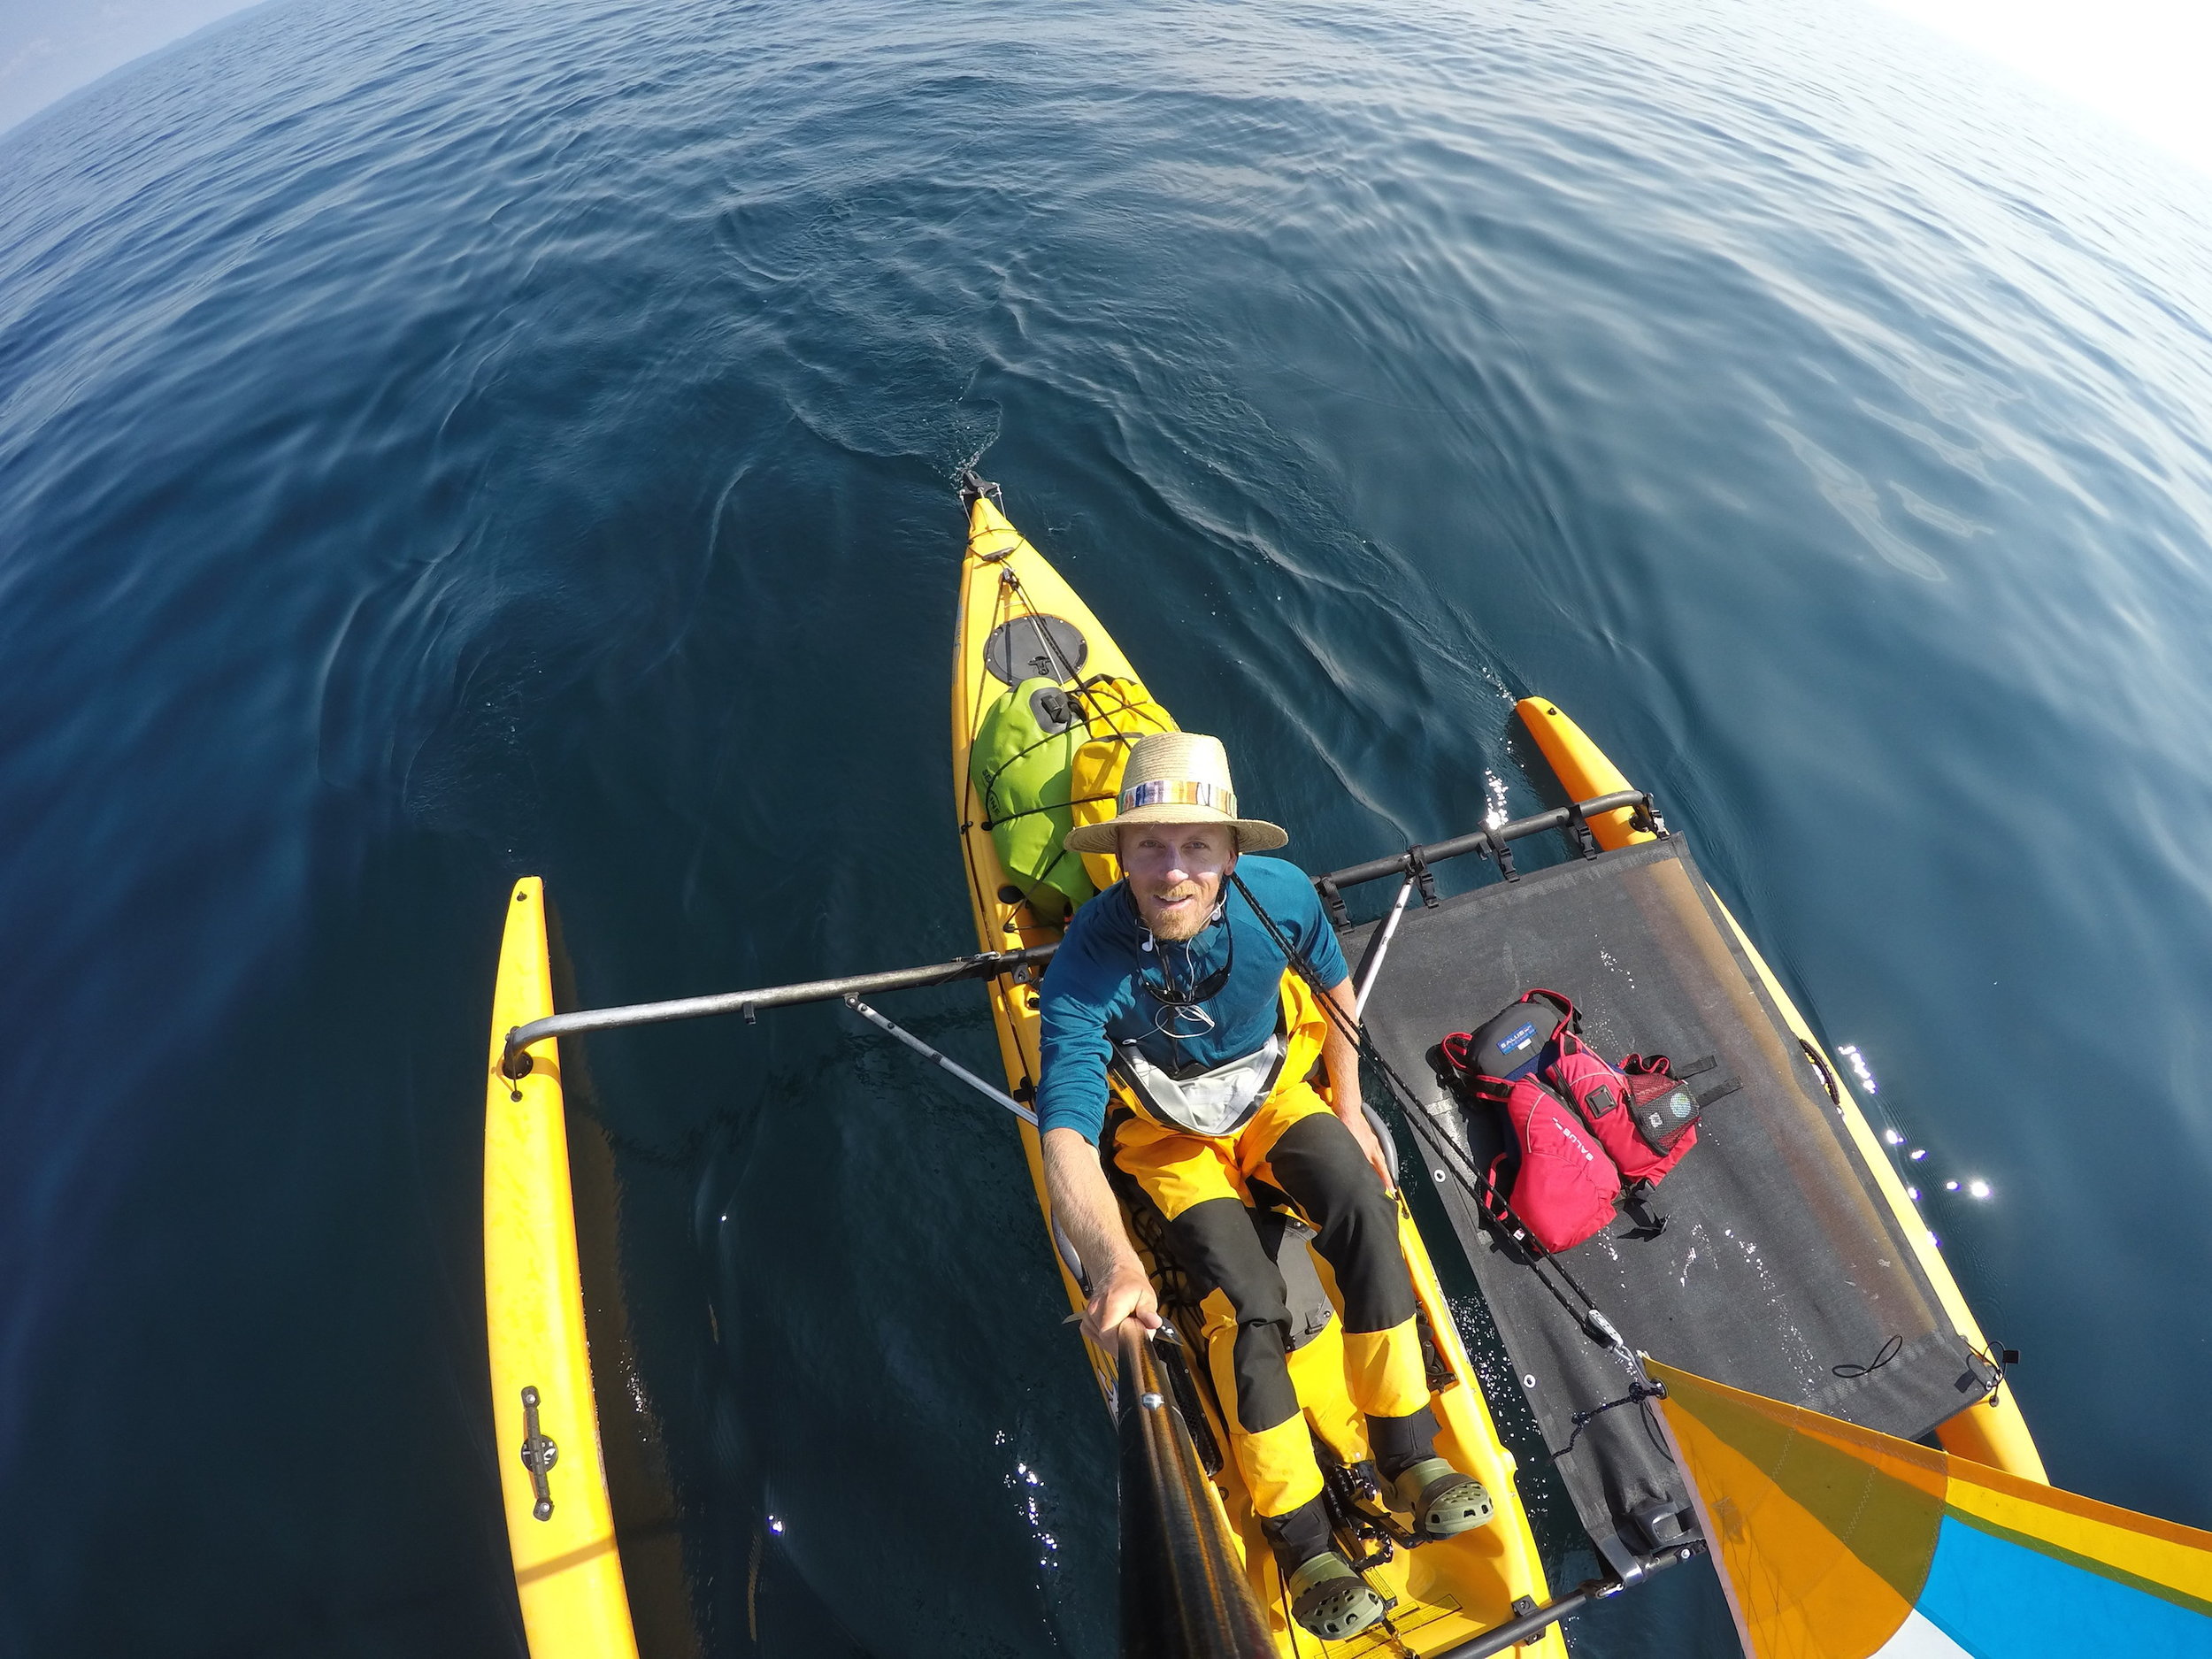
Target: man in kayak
x,y
1172,984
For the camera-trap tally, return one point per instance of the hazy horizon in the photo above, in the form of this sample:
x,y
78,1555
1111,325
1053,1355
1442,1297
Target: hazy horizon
x,y
53,47
2138,63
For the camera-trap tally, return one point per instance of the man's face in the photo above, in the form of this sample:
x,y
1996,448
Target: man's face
x,y
1175,874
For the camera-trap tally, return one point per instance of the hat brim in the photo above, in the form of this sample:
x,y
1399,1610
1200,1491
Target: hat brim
x,y
1254,834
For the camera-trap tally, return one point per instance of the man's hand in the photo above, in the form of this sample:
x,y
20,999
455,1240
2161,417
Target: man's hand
x,y
1085,1208
1124,1293
1370,1147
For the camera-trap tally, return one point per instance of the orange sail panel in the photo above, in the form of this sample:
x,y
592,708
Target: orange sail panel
x,y
1836,1542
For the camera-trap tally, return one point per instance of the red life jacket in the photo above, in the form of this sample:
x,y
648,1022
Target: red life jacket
x,y
1566,1187
1631,1124
1637,1110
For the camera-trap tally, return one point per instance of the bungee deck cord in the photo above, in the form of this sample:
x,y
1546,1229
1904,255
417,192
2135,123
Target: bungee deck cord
x,y
1082,695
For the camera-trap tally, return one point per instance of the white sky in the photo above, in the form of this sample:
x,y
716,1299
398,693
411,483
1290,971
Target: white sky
x,y
2146,64
49,48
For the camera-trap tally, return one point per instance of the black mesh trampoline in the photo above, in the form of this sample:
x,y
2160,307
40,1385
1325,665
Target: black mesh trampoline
x,y
1781,1267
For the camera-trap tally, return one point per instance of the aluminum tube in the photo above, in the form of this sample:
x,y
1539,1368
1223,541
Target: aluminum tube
x,y
1501,1637
1557,818
931,1055
1382,948
983,967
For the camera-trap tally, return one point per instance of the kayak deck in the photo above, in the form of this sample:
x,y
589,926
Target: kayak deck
x,y
1447,1592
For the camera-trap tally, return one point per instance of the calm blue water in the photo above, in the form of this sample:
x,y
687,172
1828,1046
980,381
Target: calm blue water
x,y
440,442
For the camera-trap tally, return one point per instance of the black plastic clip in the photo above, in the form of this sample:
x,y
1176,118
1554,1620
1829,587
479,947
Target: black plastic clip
x,y
1636,1205
1504,848
1174,1366
539,1454
1644,816
1418,867
752,1014
1333,901
1586,843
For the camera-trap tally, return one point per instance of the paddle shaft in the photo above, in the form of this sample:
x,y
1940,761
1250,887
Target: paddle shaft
x,y
1184,1594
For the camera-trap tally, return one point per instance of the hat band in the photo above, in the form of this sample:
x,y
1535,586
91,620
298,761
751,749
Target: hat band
x,y
1180,792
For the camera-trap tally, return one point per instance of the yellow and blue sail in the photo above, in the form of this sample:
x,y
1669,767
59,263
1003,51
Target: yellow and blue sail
x,y
1836,1542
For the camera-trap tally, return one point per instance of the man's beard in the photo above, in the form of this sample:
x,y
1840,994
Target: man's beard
x,y
1190,923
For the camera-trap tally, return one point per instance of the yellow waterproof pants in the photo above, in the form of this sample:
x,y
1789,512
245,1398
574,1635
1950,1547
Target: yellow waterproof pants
x,y
1294,1146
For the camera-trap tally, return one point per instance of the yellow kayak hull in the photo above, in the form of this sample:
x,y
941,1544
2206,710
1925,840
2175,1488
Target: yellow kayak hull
x,y
1990,1432
1448,1592
568,1572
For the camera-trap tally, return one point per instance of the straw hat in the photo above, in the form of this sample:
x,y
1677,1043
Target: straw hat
x,y
1177,777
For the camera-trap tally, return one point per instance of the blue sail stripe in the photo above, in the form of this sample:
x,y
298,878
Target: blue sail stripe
x,y
1999,1600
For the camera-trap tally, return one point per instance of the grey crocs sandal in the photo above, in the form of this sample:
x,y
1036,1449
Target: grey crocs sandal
x,y
1332,1602
1442,1501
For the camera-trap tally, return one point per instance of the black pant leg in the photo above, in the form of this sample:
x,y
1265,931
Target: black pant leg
x,y
1319,1164
1217,1244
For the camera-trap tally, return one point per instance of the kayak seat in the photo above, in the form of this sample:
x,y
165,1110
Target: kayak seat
x,y
1285,1239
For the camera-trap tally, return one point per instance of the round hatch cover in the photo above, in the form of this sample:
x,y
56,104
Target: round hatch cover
x,y
1033,648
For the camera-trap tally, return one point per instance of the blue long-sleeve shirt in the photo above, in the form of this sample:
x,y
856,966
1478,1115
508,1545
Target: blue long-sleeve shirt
x,y
1091,997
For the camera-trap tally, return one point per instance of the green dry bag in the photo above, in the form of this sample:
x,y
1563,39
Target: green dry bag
x,y
1020,763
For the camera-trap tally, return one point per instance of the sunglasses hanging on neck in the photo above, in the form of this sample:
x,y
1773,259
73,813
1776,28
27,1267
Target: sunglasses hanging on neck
x,y
1171,995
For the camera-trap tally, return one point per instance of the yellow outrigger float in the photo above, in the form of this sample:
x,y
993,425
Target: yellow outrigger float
x,y
590,1526
568,1571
